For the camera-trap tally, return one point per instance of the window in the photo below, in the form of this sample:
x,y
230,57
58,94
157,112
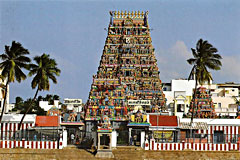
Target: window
x,y
218,137
127,73
219,105
180,107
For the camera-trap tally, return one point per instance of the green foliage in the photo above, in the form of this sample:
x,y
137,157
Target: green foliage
x,y
44,69
14,60
50,98
22,106
205,58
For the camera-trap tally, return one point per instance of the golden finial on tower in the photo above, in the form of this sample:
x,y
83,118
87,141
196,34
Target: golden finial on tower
x,y
132,13
135,13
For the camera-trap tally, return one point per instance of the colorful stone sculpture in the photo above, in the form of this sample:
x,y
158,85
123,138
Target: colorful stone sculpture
x,y
127,70
204,107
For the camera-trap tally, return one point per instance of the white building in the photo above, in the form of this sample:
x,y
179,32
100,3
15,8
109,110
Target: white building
x,y
224,98
46,106
73,104
179,94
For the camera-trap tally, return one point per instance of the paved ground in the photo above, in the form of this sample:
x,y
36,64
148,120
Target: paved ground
x,y
121,153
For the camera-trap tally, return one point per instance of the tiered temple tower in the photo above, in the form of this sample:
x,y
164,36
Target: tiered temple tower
x,y
127,80
204,105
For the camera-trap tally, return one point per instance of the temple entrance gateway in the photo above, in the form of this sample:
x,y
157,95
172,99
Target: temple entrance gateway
x,y
127,85
75,133
122,138
136,137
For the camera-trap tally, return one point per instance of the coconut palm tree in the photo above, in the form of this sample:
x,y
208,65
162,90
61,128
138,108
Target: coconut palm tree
x,y
205,57
44,69
13,61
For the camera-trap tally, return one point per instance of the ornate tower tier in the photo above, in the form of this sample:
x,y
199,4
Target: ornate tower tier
x,y
127,79
204,105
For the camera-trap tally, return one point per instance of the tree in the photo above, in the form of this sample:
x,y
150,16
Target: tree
x,y
50,98
14,60
44,69
18,104
21,105
205,58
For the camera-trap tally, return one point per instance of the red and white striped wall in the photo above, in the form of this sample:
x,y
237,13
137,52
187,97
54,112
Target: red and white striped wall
x,y
227,129
192,146
9,129
230,131
32,144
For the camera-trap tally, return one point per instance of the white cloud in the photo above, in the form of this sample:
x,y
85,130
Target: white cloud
x,y
173,65
172,62
229,71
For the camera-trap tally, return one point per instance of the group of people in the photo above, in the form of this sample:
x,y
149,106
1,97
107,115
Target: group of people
x,y
74,140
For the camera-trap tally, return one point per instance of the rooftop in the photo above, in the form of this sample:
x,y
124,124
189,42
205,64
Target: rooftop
x,y
160,120
47,121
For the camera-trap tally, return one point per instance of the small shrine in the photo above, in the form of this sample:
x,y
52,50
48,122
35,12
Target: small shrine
x,y
104,135
138,118
53,111
73,122
204,105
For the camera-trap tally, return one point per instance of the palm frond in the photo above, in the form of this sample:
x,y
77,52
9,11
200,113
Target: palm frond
x,y
44,69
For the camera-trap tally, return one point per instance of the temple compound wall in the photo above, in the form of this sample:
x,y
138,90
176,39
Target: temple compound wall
x,y
37,132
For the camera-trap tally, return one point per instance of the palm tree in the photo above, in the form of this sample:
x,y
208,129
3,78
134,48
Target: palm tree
x,y
14,60
45,69
205,58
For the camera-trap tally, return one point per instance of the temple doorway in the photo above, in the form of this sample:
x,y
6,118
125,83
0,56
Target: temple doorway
x,y
104,141
135,137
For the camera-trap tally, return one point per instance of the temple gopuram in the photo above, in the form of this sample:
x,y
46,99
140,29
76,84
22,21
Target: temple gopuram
x,y
127,86
204,104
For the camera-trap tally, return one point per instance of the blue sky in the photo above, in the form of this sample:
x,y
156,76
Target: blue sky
x,y
73,33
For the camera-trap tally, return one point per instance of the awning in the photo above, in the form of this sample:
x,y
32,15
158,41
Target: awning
x,y
195,125
132,124
72,124
47,121
163,121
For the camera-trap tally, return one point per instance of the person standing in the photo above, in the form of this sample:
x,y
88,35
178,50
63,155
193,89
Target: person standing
x,y
72,138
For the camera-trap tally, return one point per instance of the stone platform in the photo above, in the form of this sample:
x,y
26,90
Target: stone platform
x,y
104,154
121,153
